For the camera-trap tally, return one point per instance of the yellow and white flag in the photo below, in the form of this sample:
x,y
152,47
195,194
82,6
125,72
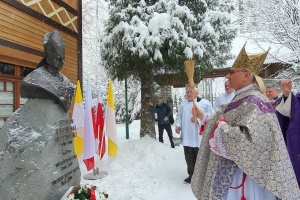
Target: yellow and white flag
x,y
110,124
78,121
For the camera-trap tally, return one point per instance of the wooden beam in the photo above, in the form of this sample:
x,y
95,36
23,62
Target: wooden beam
x,y
175,80
179,80
222,72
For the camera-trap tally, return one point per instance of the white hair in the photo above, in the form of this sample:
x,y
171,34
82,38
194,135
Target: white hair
x,y
273,85
195,88
252,78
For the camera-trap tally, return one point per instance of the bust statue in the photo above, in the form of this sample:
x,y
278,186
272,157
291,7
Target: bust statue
x,y
46,81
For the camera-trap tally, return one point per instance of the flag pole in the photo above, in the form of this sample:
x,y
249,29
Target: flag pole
x,y
101,145
105,116
97,153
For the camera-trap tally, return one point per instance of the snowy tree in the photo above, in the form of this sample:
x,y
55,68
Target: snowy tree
x,y
276,22
143,38
215,29
91,34
94,14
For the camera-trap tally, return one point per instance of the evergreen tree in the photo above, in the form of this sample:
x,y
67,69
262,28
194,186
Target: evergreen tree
x,y
143,38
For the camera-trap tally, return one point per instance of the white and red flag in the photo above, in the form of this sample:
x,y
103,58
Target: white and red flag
x,y
99,127
89,140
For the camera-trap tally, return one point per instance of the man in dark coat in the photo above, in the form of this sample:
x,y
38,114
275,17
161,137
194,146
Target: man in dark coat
x,y
164,112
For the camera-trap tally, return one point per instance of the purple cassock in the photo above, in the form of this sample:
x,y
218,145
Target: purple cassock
x,y
290,128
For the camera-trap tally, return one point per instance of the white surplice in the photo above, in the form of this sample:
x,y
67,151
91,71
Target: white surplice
x,y
190,131
223,99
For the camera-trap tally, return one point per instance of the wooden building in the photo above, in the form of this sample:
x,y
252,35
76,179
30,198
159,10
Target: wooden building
x,y
23,23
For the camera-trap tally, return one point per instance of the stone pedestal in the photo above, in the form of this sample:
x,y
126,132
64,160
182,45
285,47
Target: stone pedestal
x,y
37,159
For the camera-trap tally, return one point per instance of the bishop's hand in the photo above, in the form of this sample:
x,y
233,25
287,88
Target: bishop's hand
x,y
286,86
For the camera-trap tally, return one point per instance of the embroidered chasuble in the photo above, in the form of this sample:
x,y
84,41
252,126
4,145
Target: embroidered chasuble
x,y
255,145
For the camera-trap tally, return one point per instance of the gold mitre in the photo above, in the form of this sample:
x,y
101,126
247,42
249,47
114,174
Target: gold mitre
x,y
253,62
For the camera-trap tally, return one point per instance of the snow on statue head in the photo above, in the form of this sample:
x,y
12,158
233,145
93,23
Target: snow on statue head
x,y
46,81
54,47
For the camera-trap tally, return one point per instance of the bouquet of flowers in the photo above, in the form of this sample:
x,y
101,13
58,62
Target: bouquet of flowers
x,y
86,192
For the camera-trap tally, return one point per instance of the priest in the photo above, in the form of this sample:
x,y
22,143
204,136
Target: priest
x,y
288,114
242,154
224,98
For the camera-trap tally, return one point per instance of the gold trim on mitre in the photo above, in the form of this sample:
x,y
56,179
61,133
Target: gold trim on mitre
x,y
253,62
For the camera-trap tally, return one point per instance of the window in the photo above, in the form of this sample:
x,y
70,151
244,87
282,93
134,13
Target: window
x,y
6,99
24,71
7,69
10,79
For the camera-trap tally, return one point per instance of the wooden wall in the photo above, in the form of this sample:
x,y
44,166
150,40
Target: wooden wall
x,y
62,12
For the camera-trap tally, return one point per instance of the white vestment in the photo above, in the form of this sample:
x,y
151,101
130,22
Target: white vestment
x,y
223,99
252,190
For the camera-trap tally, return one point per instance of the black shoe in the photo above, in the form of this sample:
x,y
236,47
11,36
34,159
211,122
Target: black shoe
x,y
188,180
172,145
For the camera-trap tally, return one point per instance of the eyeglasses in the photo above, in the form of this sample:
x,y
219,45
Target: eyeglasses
x,y
233,71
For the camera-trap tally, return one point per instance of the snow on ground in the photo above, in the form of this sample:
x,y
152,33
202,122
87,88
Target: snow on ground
x,y
145,169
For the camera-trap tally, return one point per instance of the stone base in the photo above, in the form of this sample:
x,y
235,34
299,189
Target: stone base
x,y
37,158
91,176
